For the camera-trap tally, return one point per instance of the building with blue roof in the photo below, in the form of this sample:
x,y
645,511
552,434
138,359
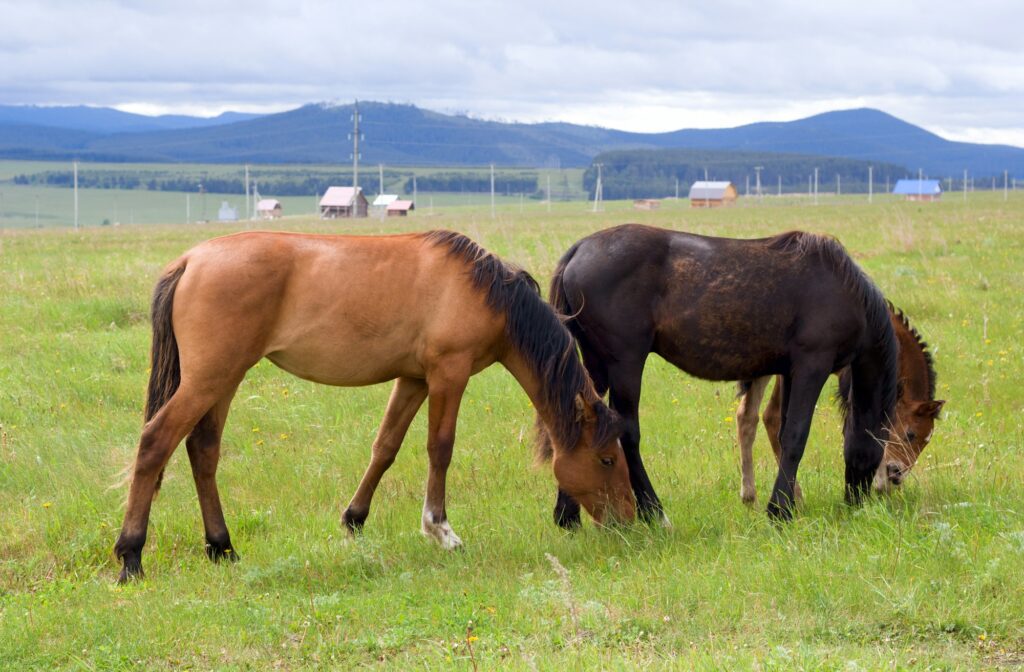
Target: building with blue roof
x,y
918,190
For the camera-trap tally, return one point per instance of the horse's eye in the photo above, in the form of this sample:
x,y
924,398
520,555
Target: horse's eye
x,y
911,435
608,461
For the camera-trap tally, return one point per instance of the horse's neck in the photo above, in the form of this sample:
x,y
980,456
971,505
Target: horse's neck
x,y
913,365
530,382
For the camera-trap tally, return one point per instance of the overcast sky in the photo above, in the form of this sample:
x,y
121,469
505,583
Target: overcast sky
x,y
954,68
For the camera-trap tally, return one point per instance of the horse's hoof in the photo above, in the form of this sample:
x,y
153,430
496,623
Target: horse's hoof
x,y
354,520
748,496
654,515
130,574
442,533
217,553
779,513
568,520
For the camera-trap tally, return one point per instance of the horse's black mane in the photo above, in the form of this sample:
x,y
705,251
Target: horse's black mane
x,y
535,331
876,308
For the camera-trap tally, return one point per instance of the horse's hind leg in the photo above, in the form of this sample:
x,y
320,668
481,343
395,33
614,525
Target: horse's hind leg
x,y
746,430
800,394
773,424
203,446
160,437
406,398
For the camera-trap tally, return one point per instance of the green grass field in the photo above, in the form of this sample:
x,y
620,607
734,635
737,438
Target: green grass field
x,y
927,579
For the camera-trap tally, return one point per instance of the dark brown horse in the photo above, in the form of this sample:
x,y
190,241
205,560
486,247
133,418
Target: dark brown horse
x,y
794,305
916,412
426,310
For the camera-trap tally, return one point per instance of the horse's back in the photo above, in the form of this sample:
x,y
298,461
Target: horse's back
x,y
341,310
718,308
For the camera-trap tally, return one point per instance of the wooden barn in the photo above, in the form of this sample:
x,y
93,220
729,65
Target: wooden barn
x,y
269,208
339,202
712,194
400,208
918,190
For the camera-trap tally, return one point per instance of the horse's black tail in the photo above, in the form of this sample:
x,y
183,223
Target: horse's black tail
x,y
165,367
559,300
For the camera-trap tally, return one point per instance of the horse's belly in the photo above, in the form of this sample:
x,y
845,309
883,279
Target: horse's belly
x,y
346,367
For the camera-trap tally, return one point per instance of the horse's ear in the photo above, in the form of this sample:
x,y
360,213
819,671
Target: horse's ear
x,y
583,411
930,409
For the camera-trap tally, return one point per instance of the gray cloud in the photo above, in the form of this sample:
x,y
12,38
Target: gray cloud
x,y
643,65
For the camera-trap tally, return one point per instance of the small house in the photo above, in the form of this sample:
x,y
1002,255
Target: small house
x,y
340,202
268,208
712,194
646,204
400,208
226,213
918,190
383,201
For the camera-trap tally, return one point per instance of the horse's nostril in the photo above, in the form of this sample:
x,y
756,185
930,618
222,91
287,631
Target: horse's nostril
x,y
894,472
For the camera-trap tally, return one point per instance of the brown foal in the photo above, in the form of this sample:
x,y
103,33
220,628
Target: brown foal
x,y
916,412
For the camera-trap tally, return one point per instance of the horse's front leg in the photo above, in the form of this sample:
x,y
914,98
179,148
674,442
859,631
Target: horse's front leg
x,y
799,396
406,398
445,384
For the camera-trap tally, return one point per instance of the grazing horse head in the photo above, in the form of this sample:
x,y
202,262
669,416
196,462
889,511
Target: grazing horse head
x,y
594,471
916,406
908,436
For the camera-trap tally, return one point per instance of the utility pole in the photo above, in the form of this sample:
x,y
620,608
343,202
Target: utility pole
x,y
380,189
746,188
839,185
815,185
76,192
965,185
758,169
549,192
492,191
248,205
677,188
355,159
414,194
1005,186
598,188
871,186
920,182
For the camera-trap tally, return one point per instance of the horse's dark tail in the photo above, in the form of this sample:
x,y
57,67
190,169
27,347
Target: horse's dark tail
x,y
165,367
569,310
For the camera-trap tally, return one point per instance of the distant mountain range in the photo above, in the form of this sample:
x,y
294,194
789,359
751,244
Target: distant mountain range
x,y
408,135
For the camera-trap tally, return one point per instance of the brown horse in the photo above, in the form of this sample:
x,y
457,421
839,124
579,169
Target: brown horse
x,y
916,412
427,310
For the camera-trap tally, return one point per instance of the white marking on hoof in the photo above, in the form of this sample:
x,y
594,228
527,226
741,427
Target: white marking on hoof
x,y
441,532
665,522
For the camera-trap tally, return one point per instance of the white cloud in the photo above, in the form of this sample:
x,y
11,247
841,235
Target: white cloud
x,y
649,65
